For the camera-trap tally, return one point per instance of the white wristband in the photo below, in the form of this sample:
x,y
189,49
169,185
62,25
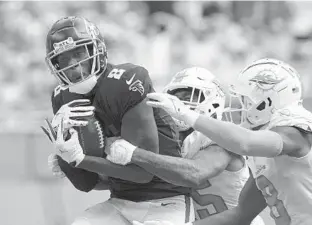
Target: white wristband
x,y
127,157
121,152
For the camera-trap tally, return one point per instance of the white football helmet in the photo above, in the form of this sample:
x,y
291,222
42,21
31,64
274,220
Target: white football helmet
x,y
263,87
211,97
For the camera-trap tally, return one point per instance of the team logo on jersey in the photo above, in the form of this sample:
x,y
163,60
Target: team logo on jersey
x,y
267,79
64,45
137,86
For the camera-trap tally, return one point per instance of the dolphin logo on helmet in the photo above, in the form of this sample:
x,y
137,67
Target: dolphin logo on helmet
x,y
267,79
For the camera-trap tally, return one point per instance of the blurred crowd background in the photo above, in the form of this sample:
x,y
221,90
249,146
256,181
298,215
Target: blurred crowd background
x,y
165,37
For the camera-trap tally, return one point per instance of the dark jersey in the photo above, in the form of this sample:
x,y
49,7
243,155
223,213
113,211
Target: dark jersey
x,y
119,89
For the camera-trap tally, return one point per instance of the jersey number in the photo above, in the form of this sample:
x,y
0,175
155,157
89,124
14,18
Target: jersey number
x,y
116,73
278,210
213,203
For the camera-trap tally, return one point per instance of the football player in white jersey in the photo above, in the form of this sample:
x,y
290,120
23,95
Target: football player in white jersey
x,y
216,175
275,129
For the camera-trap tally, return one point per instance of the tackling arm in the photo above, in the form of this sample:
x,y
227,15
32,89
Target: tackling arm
x,y
205,164
263,143
251,203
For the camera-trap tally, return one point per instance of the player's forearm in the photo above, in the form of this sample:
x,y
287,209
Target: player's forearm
x,y
225,134
240,140
178,171
82,180
103,166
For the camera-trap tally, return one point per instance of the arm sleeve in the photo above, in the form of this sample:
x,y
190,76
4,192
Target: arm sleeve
x,y
82,180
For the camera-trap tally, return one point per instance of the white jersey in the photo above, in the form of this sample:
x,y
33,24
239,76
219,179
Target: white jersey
x,y
286,182
219,193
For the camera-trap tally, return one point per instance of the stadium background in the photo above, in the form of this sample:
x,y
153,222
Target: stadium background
x,y
165,37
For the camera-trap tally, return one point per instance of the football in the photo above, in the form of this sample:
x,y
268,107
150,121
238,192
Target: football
x,y
92,138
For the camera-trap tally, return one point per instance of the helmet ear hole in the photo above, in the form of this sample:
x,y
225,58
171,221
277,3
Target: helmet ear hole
x,y
261,106
295,89
215,105
214,115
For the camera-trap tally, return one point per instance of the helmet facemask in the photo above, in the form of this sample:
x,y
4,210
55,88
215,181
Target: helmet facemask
x,y
90,65
76,53
205,93
206,101
195,97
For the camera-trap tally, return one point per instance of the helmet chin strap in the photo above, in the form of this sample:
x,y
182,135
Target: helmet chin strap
x,y
85,86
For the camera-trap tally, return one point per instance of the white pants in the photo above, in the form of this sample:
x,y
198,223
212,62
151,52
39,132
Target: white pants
x,y
114,211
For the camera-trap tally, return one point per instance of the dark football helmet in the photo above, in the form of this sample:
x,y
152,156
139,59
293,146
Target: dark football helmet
x,y
69,34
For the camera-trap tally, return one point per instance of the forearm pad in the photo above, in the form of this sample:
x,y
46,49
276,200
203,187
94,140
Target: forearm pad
x,y
82,180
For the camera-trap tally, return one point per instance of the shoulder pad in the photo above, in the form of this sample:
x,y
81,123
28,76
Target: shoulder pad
x,y
295,116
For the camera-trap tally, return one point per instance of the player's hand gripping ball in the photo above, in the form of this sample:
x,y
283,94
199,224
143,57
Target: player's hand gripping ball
x,y
73,114
90,137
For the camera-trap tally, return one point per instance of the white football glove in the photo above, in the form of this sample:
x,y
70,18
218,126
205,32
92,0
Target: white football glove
x,y
67,114
120,152
71,111
172,105
54,166
157,222
70,149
